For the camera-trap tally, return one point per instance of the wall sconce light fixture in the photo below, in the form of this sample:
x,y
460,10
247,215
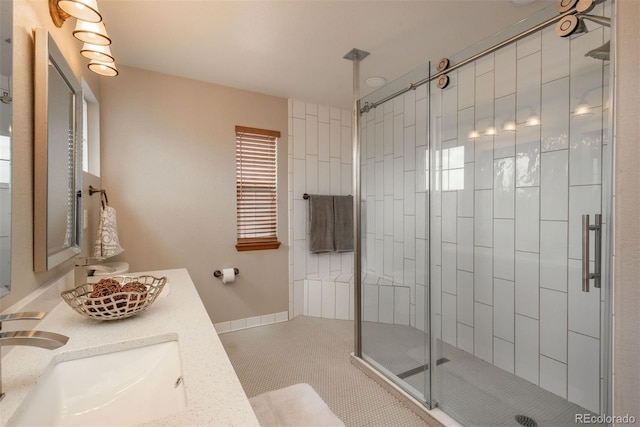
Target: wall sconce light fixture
x,y
89,29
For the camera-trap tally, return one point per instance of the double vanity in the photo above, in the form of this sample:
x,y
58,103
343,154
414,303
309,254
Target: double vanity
x,y
163,367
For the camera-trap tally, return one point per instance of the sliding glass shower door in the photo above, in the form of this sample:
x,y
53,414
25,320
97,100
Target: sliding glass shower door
x,y
520,153
484,202
394,219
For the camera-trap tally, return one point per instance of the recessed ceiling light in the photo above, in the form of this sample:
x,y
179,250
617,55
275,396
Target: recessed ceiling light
x,y
375,81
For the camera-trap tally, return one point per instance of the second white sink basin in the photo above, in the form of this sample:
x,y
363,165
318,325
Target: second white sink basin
x,y
116,388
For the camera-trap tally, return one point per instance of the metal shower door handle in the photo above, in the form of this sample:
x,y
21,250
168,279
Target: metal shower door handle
x,y
586,228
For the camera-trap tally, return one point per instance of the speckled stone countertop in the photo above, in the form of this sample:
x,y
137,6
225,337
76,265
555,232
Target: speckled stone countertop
x,y
214,394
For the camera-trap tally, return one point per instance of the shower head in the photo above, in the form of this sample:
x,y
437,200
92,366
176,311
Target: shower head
x,y
603,52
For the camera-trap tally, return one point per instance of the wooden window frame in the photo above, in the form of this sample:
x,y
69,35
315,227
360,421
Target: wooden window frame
x,y
254,160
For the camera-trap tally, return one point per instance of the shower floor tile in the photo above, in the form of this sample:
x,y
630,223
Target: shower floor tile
x,y
472,391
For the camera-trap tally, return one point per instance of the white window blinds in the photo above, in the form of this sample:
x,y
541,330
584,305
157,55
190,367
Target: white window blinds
x,y
256,188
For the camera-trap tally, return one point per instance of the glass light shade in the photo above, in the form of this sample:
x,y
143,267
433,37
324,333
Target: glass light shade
x,y
473,134
583,110
491,131
97,52
107,69
91,32
86,10
533,121
509,126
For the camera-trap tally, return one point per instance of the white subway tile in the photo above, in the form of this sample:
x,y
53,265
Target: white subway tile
x,y
466,87
526,345
299,109
483,275
298,298
528,83
388,256
554,186
398,262
401,305
252,322
505,70
484,64
436,289
585,157
449,113
315,298
555,115
311,170
449,209
584,307
409,108
323,114
409,147
504,187
553,376
311,132
282,316
421,215
388,220
527,284
449,324
421,121
398,135
503,354
484,163
465,298
379,140
335,113
410,193
505,114
398,177
386,304
466,124
398,220
370,303
583,376
483,224
466,195
465,244
449,275
421,261
483,332
503,309
553,255
324,178
527,219
503,249
346,178
329,299
410,237
555,55
388,134
335,138
553,324
299,136
420,309
527,156
529,45
465,338
484,99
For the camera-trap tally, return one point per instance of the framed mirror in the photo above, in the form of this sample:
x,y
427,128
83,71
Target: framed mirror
x,y
57,157
6,71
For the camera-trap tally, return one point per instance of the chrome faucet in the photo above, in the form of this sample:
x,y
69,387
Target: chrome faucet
x,y
42,339
80,271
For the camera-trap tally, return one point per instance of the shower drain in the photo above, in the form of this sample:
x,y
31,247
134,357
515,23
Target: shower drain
x,y
526,421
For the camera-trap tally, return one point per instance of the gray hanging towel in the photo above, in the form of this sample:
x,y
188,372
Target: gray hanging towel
x,y
320,223
343,223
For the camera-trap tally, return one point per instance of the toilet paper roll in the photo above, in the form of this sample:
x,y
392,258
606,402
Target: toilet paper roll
x,y
228,275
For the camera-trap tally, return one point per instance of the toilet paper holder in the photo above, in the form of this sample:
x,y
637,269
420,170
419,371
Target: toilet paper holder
x,y
218,273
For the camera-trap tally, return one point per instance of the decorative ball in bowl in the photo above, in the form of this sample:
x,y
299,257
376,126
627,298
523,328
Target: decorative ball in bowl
x,y
115,297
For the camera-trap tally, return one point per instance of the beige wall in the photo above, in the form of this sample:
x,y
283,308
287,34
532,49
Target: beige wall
x,y
168,165
627,213
27,16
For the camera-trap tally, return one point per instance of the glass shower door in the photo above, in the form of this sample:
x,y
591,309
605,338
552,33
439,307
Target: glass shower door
x,y
519,153
394,212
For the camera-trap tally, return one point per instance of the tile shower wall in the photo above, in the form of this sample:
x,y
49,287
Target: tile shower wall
x,y
506,218
320,162
394,210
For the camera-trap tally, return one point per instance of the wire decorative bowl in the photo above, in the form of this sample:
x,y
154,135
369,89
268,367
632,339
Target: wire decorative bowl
x,y
115,298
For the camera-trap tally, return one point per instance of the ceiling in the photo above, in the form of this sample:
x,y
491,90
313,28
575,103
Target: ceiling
x,y
295,49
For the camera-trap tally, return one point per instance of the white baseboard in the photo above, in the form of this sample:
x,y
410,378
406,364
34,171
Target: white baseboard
x,y
251,322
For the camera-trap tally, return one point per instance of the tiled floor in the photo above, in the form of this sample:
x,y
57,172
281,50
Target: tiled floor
x,y
314,351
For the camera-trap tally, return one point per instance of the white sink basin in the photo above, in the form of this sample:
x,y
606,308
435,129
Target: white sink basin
x,y
116,388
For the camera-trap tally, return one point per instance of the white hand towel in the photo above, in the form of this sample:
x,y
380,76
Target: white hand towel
x,y
107,243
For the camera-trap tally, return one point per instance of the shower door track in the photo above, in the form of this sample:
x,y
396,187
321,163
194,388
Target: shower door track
x,y
413,86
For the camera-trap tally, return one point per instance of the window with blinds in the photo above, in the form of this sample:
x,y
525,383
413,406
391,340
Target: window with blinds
x,y
256,188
